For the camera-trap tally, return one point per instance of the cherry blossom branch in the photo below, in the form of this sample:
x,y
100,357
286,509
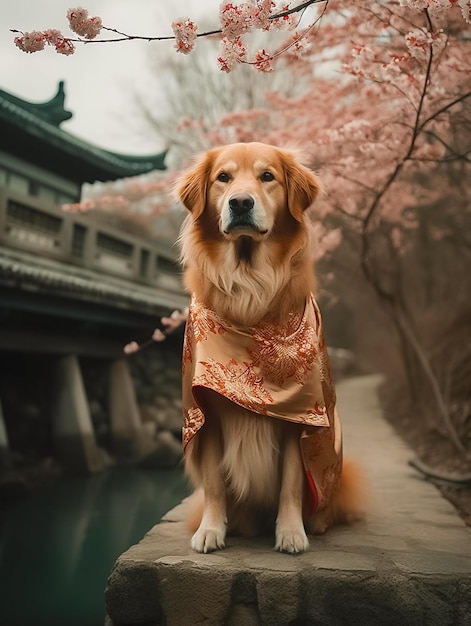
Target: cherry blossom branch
x,y
357,182
236,20
218,31
446,107
295,43
176,319
351,216
456,156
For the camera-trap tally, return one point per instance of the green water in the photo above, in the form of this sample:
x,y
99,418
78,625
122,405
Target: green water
x,y
58,544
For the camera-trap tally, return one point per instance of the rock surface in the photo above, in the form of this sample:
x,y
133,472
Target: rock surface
x,y
409,562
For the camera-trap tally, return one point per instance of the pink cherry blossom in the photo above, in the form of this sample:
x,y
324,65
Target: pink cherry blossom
x,y
296,47
131,347
65,46
287,22
158,335
176,319
436,7
418,42
53,36
260,15
235,19
233,51
36,41
30,42
80,23
263,61
185,34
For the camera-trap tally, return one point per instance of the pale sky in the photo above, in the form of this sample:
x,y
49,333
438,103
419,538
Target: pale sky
x,y
101,80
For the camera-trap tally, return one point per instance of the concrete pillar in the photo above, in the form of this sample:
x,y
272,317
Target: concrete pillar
x,y
3,437
130,439
4,445
74,437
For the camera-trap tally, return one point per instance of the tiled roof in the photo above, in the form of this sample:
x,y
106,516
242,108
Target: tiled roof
x,y
41,122
20,269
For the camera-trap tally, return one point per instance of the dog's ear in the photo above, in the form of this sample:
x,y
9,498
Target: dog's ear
x,y
192,186
302,185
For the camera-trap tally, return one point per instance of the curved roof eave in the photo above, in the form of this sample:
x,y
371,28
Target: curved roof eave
x,y
109,164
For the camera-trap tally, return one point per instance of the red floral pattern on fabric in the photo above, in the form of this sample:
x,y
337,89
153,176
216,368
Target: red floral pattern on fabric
x,y
205,321
284,352
237,382
200,322
194,419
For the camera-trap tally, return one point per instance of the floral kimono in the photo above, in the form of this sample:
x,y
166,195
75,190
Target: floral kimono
x,y
277,371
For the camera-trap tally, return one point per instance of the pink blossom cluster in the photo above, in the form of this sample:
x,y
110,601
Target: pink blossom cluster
x,y
263,61
84,26
236,19
239,19
437,6
419,42
31,42
185,32
131,348
79,22
233,51
298,47
35,41
401,67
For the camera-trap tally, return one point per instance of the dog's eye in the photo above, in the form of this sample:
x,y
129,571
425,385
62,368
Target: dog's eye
x,y
223,177
267,177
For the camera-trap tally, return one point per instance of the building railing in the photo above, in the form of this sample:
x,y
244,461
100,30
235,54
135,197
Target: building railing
x,y
32,225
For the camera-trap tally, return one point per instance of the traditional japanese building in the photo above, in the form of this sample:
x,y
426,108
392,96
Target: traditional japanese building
x,y
71,285
70,256
41,159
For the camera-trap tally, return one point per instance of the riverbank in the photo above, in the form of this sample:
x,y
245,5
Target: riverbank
x,y
59,542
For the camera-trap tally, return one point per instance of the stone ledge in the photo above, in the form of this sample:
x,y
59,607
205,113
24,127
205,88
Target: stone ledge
x,y
408,563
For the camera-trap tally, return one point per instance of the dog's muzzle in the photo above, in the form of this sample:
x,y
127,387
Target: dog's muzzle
x,y
241,214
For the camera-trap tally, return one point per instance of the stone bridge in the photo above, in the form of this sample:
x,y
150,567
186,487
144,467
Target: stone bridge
x,y
74,290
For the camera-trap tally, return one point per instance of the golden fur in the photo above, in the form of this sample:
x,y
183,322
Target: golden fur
x,y
246,249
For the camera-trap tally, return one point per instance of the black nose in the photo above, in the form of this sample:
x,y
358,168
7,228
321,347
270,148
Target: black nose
x,y
241,203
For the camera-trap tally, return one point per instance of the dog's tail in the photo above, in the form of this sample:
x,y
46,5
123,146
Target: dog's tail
x,y
350,502
348,505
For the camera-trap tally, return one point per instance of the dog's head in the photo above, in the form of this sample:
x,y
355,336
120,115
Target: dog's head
x,y
248,190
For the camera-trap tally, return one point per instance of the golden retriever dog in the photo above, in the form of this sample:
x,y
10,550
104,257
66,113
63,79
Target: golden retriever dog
x,y
261,434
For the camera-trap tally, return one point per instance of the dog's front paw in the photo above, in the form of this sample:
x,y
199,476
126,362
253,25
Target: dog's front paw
x,y
291,541
208,539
